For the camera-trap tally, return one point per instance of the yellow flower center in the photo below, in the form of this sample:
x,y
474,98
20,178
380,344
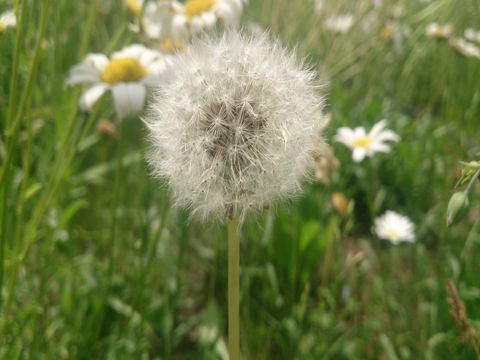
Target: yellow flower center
x,y
362,142
2,26
169,45
196,7
393,234
123,70
134,6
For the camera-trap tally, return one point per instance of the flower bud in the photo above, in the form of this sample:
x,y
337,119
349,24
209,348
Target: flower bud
x,y
340,203
457,207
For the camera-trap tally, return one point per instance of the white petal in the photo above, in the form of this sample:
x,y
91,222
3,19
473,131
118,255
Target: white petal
x,y
179,27
379,147
359,132
157,19
90,97
345,136
209,19
377,128
150,56
128,98
387,135
359,154
134,51
98,61
197,24
83,74
230,13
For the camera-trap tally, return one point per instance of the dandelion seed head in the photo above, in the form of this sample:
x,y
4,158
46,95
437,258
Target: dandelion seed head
x,y
234,124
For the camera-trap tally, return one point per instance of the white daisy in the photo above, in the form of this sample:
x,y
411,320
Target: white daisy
x,y
465,48
472,35
339,24
364,144
156,17
196,15
127,74
7,19
395,228
436,31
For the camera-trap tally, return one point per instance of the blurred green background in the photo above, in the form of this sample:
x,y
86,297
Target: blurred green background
x,y
98,265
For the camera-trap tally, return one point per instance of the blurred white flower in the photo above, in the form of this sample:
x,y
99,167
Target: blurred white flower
x,y
156,20
465,48
364,144
126,74
472,35
196,15
395,228
7,19
436,31
339,24
234,124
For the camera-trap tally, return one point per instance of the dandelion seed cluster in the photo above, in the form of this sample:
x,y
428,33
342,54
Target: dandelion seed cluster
x,y
234,124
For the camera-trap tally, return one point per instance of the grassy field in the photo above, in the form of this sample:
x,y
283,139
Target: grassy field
x,y
96,264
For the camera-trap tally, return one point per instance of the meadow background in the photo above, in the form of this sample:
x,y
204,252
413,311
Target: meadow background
x,y
96,264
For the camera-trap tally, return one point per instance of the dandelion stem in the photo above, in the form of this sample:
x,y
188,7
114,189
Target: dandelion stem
x,y
234,287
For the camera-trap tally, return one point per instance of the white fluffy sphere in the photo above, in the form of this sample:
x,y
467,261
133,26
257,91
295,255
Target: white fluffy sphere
x,y
234,124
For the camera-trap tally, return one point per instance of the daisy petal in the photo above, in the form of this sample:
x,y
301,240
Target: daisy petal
x,y
98,61
128,98
90,97
83,74
359,154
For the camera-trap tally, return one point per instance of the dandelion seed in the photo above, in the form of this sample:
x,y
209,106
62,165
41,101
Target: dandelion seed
x,y
364,144
395,228
234,124
7,19
127,74
465,48
436,31
340,24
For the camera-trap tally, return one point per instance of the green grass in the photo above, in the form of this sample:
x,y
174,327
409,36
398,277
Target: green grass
x,y
97,264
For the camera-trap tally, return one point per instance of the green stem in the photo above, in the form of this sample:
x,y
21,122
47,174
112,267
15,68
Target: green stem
x,y
234,287
472,181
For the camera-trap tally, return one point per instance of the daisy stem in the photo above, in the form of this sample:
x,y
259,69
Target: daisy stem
x,y
234,286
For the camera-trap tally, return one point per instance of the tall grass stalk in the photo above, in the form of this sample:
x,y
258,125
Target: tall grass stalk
x,y
13,130
234,286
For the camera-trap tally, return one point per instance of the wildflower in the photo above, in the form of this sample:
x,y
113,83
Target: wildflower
x,y
436,31
364,144
395,228
472,35
340,24
7,19
135,6
465,48
234,124
156,18
126,74
196,15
